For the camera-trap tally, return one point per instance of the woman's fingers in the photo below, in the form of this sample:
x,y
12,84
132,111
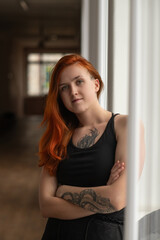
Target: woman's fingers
x,y
116,172
118,167
115,178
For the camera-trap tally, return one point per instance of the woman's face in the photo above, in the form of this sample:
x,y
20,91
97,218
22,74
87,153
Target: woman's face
x,y
77,89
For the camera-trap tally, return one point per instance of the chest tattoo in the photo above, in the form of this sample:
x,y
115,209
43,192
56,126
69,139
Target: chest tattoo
x,y
89,139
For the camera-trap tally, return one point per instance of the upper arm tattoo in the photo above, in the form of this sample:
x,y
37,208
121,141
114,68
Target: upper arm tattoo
x,y
89,200
88,140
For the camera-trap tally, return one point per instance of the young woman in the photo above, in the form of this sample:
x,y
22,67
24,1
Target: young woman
x,y
83,153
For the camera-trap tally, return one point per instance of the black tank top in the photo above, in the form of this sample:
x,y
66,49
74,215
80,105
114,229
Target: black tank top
x,y
89,167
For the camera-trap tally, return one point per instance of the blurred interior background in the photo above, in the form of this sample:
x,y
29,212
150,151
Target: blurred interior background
x,y
34,34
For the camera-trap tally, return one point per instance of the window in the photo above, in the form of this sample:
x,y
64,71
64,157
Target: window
x,y
39,67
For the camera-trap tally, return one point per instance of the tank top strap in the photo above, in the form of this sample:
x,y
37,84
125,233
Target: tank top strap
x,y
110,127
115,114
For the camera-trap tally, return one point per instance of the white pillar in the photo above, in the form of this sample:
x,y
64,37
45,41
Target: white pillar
x,y
103,48
131,224
155,111
120,57
85,29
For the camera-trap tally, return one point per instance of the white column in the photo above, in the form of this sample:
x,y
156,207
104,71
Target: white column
x,y
155,105
120,82
85,29
131,225
103,48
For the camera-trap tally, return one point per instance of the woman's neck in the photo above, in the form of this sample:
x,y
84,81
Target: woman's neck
x,y
93,116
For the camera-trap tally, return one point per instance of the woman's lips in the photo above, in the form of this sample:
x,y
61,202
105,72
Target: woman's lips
x,y
76,100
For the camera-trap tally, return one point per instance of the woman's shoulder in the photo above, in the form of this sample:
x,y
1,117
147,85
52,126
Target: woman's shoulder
x,y
121,119
120,123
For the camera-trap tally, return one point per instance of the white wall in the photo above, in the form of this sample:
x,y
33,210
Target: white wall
x,y
120,56
94,46
149,191
94,39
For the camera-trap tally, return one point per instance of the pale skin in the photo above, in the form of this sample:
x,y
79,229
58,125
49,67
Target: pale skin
x,y
78,91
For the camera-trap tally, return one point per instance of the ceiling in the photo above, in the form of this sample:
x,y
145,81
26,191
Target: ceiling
x,y
44,18
39,8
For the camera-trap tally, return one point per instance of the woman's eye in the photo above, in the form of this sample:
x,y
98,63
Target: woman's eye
x,y
64,88
78,82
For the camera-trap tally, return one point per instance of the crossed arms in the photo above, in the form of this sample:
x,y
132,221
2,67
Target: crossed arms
x,y
68,202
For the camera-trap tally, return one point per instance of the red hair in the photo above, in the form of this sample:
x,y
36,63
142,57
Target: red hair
x,y
59,121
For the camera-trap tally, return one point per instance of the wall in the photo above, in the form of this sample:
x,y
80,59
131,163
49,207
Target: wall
x,y
120,56
94,39
118,79
149,191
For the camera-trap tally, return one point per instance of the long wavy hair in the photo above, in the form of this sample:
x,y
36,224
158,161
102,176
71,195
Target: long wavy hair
x,y
58,120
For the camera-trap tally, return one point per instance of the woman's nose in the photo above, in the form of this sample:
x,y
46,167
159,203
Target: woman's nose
x,y
74,90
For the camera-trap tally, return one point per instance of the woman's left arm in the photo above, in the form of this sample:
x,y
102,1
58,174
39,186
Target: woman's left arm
x,y
108,198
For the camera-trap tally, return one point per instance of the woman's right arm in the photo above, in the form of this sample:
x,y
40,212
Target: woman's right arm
x,y
52,206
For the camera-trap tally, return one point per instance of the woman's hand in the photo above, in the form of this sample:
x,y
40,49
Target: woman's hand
x,y
116,171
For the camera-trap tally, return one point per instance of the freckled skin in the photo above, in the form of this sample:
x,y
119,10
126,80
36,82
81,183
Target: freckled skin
x,y
76,83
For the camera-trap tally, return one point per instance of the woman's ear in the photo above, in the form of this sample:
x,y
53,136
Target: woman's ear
x,y
97,85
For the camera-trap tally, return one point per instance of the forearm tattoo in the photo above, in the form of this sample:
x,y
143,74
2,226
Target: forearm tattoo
x,y
89,200
88,140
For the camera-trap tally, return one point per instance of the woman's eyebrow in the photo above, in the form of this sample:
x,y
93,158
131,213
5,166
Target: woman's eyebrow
x,y
62,84
76,78
73,79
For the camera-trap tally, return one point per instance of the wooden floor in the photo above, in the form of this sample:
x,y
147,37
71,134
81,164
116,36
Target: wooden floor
x,y
20,217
